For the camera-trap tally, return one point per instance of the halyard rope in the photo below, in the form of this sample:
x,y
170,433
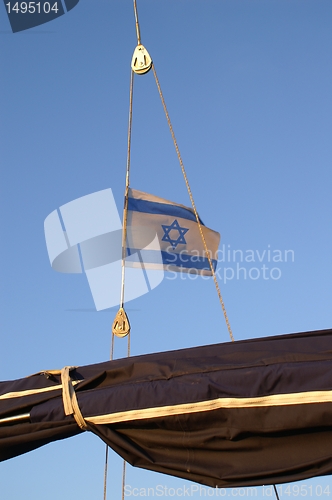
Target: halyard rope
x,y
124,229
124,237
125,210
193,204
106,451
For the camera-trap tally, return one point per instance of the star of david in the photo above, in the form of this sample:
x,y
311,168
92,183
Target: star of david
x,y
177,229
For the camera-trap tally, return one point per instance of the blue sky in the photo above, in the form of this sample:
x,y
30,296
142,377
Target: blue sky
x,y
248,88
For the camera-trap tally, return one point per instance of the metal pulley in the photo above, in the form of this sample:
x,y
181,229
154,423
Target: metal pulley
x,y
121,325
141,61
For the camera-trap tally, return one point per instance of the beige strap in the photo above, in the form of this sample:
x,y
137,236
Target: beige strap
x,y
69,398
273,400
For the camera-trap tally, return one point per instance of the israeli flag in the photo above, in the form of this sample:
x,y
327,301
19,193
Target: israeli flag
x,y
178,246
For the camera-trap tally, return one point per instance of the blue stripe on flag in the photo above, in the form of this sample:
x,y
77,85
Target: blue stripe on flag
x,y
152,207
172,259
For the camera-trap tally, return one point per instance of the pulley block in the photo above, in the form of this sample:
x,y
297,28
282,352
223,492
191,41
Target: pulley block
x,y
121,325
141,62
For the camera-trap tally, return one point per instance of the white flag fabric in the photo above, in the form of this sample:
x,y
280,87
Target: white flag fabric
x,y
179,246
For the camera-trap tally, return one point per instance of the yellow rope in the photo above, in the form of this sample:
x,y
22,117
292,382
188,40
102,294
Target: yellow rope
x,y
124,230
137,24
125,210
124,238
193,205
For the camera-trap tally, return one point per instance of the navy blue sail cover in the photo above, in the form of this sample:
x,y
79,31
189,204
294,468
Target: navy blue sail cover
x,y
236,414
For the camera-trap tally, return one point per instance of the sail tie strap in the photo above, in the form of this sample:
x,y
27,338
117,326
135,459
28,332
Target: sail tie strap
x,y
70,403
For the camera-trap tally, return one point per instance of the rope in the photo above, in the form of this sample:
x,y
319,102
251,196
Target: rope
x,y
106,458
106,451
125,210
124,238
124,462
137,24
275,491
123,480
124,230
197,217
125,217
193,205
105,473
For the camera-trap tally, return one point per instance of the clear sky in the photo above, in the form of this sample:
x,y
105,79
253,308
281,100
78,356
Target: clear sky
x,y
248,87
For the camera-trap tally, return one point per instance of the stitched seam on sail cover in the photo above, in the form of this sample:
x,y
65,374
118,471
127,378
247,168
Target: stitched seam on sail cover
x,y
29,392
311,397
